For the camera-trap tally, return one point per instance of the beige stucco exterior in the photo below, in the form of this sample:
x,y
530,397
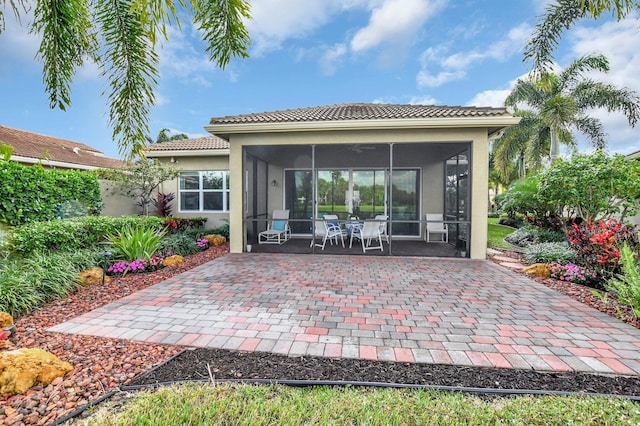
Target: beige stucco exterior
x,y
477,138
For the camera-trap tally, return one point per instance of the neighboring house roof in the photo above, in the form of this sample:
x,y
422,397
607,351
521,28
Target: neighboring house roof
x,y
208,145
359,115
634,155
31,148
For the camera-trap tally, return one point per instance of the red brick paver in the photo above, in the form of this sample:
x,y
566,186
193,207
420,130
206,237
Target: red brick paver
x,y
404,309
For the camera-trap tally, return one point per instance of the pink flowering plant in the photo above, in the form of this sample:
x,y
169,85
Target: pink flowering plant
x,y
138,265
572,273
202,243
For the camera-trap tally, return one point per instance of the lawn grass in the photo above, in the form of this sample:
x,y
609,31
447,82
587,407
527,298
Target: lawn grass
x,y
496,234
200,404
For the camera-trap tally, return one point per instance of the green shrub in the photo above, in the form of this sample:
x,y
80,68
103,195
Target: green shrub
x,y
73,234
27,283
199,233
136,243
32,193
181,244
513,222
528,235
550,252
626,287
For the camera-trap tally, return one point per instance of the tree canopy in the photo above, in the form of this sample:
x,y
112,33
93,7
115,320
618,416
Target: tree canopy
x,y
121,38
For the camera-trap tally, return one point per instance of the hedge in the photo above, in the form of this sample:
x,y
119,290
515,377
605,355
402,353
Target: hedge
x,y
32,193
73,234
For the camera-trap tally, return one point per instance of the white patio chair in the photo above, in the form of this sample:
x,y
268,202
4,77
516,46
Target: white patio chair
x,y
326,232
383,226
333,222
436,225
369,231
278,230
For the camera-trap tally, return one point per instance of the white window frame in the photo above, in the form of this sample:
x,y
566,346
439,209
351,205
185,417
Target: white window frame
x,y
225,191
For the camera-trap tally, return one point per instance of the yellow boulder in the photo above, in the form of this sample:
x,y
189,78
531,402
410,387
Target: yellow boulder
x,y
539,270
24,368
5,320
172,260
92,276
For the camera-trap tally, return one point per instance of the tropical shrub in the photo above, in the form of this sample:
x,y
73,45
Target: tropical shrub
x,y
592,186
522,198
199,233
73,234
572,273
32,193
626,286
135,243
598,244
550,252
181,244
528,235
162,203
179,225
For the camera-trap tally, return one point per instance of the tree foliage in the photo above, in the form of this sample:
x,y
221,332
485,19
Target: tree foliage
x,y
140,180
595,186
559,106
121,38
560,16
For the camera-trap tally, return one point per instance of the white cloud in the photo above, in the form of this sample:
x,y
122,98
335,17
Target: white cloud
x,y
275,21
423,100
395,21
331,57
439,68
490,98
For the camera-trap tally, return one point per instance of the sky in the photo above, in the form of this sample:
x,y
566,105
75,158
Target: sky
x,y
322,52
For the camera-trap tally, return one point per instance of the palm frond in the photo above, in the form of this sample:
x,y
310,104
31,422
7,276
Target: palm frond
x,y
592,94
525,91
592,128
223,29
65,29
130,63
574,72
558,17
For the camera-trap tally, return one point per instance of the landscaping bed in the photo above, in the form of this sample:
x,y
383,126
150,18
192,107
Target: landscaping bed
x,y
102,365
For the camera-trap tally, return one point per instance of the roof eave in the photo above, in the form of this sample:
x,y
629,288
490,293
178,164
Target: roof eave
x,y
187,153
52,163
222,130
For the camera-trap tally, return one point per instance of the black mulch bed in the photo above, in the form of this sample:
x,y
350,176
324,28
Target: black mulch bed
x,y
224,364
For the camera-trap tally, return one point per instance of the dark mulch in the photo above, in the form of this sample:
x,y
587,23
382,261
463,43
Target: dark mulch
x,y
195,365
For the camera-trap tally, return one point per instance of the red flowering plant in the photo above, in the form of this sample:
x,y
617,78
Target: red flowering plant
x,y
598,244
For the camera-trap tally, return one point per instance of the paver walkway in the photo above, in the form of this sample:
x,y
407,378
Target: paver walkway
x,y
451,311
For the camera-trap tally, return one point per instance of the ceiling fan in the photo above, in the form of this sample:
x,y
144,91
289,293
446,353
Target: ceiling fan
x,y
359,148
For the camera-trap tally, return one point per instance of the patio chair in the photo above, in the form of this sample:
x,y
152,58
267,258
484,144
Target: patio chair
x,y
383,226
436,225
278,231
369,231
333,222
326,232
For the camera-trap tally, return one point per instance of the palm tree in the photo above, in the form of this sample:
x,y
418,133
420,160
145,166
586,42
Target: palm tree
x,y
560,105
521,148
560,16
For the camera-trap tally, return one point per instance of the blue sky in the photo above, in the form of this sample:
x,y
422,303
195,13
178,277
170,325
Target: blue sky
x,y
321,52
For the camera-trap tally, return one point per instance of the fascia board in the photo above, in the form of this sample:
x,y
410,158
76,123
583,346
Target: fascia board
x,y
188,153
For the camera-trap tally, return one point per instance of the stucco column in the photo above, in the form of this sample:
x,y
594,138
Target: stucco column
x,y
236,210
479,198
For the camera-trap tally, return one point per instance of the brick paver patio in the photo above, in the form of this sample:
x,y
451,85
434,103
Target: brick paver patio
x,y
452,311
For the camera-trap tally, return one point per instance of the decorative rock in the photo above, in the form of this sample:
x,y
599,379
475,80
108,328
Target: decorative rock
x,y
539,270
23,368
215,239
5,320
92,276
172,260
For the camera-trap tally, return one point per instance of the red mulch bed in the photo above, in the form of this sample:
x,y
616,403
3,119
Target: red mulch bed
x,y
100,364
582,294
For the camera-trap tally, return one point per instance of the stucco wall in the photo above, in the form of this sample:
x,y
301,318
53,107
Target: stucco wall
x,y
115,203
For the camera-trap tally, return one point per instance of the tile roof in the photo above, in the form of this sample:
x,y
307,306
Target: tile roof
x,y
361,111
204,143
42,147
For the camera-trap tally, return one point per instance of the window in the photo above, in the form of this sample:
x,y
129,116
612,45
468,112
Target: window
x,y
205,191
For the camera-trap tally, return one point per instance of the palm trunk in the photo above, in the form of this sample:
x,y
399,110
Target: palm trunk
x,y
554,151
